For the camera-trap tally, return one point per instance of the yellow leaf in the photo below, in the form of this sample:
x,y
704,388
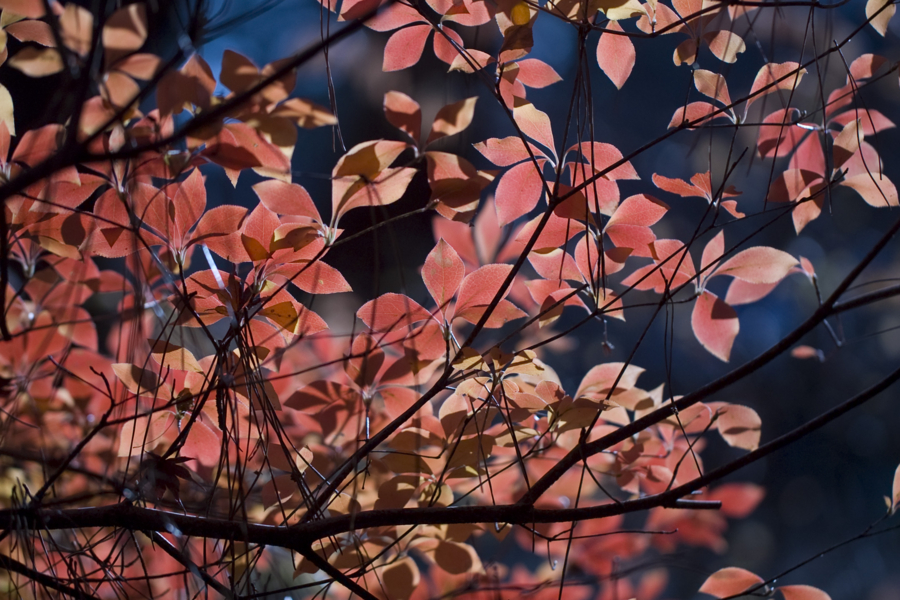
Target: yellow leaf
x,y
37,62
880,12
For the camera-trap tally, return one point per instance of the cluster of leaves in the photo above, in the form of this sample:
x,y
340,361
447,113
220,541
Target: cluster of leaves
x,y
206,429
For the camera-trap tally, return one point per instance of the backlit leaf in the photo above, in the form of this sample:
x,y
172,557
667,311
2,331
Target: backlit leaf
x,y
174,357
802,592
615,55
392,311
452,119
775,77
760,264
715,325
403,113
740,426
730,581
880,13
442,273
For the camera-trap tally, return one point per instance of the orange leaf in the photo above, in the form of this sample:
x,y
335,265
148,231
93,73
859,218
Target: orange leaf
x,y
404,113
730,581
174,357
740,426
452,119
37,62
802,592
773,77
712,85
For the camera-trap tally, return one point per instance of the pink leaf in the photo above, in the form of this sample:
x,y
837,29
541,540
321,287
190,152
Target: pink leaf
x,y
536,73
677,186
694,114
730,581
535,124
791,185
392,311
738,499
715,325
739,426
742,292
802,592
895,491
760,264
518,191
286,198
725,45
639,209
443,272
876,189
712,85
615,55
602,156
404,48
452,119
504,151
481,286
773,77
403,113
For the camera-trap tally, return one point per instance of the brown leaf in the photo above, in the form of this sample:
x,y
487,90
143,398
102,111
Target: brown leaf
x,y
37,62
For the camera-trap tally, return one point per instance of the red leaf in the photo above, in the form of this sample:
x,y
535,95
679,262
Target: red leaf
x,y
677,186
862,67
695,114
730,581
504,312
404,48
555,264
315,278
536,73
602,156
615,55
480,286
773,77
779,134
738,499
742,292
518,192
802,592
790,185
392,311
639,209
394,16
715,325
286,198
760,264
442,273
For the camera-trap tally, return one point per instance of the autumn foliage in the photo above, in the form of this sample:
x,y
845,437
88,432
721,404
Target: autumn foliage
x,y
180,419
